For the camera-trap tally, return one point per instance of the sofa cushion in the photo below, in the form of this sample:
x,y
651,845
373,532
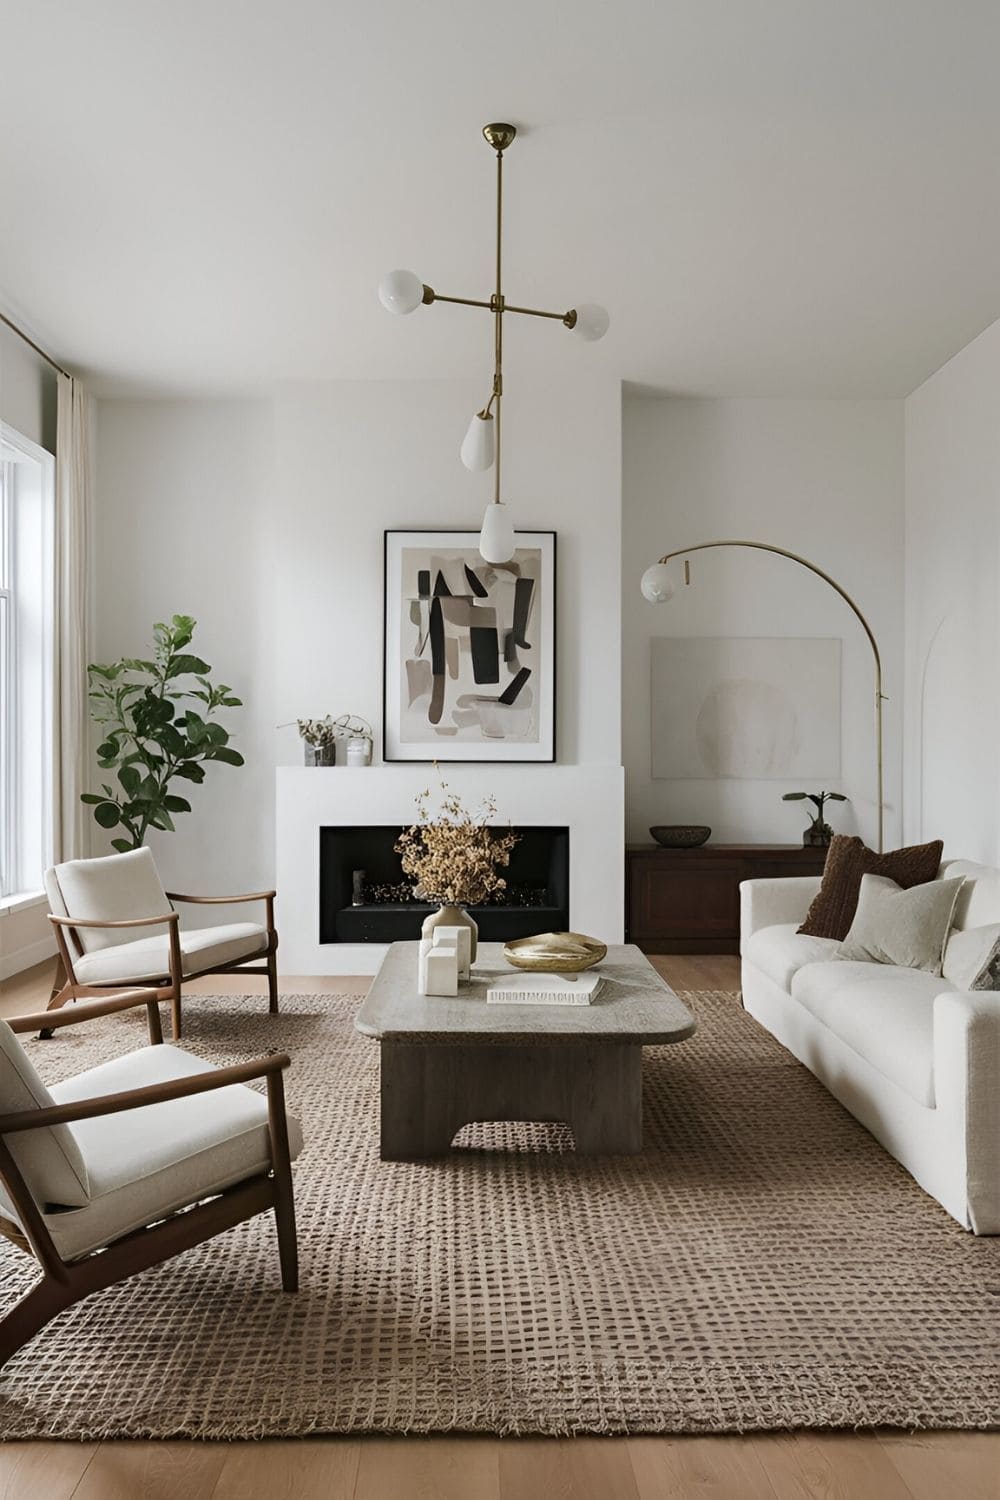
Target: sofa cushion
x,y
905,928
149,958
979,902
884,1014
148,1162
832,910
972,958
780,951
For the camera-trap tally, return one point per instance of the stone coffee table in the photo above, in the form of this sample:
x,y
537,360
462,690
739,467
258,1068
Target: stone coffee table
x,y
448,1062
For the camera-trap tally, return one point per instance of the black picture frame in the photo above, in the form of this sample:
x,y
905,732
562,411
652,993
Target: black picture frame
x,y
399,745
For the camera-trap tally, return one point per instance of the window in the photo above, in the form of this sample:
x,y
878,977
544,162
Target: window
x,y
26,592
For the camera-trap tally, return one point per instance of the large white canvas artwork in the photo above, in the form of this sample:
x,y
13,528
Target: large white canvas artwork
x,y
745,708
469,648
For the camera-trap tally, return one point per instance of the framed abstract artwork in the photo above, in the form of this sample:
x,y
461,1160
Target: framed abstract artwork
x,y
469,649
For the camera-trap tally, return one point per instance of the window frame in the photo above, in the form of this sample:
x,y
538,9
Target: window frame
x,y
8,679
27,589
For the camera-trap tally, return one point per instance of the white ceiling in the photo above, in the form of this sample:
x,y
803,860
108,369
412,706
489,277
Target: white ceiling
x,y
773,197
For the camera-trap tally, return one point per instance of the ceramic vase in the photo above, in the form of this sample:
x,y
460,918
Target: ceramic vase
x,y
451,916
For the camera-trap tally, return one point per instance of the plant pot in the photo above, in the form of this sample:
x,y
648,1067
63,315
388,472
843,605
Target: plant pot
x,y
320,755
451,916
817,836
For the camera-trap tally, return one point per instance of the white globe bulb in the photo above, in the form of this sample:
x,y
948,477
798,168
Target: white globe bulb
x,y
400,291
592,322
478,445
656,585
497,543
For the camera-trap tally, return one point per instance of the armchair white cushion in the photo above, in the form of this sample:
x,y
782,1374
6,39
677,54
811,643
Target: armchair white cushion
x,y
115,888
50,1159
139,1167
149,958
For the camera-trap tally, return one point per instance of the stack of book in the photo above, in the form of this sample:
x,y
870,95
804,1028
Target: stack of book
x,y
544,989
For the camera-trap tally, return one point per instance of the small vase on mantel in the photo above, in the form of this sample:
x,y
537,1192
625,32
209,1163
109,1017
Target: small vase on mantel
x,y
451,916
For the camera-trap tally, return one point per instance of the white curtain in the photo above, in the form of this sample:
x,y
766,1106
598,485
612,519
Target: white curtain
x,y
70,827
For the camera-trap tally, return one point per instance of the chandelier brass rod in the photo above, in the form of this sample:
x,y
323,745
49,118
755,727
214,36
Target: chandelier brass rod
x,y
465,301
536,312
569,318
498,327
812,567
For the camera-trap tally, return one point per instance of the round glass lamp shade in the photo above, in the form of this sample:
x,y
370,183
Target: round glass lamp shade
x,y
400,291
656,585
592,322
497,543
478,445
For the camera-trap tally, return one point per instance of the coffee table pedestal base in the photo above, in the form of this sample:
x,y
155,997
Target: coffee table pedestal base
x,y
431,1089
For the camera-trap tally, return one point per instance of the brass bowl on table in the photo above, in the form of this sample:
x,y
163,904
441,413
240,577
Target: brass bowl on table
x,y
681,835
555,953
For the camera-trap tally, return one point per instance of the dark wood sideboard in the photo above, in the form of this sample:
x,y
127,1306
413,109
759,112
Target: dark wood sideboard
x,y
688,900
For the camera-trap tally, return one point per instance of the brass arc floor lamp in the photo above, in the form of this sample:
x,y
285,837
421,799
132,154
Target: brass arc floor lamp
x,y
657,587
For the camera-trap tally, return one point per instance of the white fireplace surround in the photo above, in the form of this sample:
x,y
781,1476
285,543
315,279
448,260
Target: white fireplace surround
x,y
588,800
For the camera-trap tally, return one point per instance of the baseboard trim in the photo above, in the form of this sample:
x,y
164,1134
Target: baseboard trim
x,y
27,958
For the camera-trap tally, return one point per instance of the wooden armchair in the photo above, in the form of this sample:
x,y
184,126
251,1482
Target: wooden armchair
x,y
101,910
79,1192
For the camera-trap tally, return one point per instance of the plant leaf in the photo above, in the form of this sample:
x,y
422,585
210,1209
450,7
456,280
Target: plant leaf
x,y
223,753
107,814
190,770
183,664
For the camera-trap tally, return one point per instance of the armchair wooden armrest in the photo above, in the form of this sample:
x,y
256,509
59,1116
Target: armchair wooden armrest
x,y
221,900
168,916
266,896
154,1093
48,1020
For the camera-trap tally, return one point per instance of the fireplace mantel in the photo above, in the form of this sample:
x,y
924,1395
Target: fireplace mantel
x,y
588,800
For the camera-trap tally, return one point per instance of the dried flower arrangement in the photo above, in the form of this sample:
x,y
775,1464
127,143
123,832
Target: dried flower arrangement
x,y
455,856
325,731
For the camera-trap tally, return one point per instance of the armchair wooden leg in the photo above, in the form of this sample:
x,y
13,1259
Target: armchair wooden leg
x,y
175,1014
58,979
272,982
281,1170
35,1309
62,992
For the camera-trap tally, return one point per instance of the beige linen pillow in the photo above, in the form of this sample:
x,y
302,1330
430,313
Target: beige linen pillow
x,y
908,928
972,958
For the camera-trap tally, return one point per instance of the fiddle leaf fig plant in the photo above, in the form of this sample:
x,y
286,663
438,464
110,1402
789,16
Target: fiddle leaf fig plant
x,y
158,719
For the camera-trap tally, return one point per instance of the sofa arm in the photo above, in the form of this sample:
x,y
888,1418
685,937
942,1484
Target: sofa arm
x,y
967,1088
765,903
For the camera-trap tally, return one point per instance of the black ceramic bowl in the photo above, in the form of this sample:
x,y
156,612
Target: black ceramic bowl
x,y
681,835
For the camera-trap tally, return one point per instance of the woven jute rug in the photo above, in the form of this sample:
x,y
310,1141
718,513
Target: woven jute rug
x,y
762,1264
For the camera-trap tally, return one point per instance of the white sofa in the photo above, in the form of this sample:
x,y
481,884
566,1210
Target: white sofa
x,y
916,1060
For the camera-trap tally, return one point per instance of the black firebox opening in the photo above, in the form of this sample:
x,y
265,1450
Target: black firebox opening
x,y
536,900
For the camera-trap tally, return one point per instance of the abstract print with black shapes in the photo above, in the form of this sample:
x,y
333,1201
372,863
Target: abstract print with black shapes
x,y
469,650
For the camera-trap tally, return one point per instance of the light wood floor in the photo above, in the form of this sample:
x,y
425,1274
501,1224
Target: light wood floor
x,y
834,1466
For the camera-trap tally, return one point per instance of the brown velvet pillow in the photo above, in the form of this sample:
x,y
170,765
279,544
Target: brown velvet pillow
x,y
834,905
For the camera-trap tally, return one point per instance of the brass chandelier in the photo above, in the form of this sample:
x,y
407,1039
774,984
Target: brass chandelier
x,y
403,292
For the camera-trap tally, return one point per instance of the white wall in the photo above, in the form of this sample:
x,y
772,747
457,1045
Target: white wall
x,y
27,391
181,492
821,478
265,519
951,766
